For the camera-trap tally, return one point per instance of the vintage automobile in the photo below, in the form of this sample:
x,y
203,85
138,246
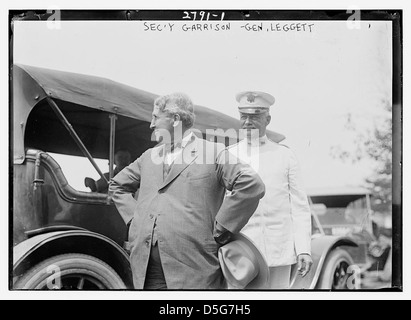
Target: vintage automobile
x,y
65,238
342,212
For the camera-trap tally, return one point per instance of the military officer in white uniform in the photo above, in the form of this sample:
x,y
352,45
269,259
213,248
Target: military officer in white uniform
x,y
281,225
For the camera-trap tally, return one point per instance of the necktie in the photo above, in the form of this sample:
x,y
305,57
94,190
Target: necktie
x,y
169,148
166,169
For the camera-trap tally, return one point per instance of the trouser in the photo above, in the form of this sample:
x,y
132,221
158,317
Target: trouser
x,y
280,277
155,279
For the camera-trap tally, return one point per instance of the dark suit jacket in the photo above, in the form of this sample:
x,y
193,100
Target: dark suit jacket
x,y
184,207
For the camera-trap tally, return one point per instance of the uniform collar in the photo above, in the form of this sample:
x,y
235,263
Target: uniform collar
x,y
261,140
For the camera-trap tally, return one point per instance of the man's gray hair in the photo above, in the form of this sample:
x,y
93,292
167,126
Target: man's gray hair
x,y
177,103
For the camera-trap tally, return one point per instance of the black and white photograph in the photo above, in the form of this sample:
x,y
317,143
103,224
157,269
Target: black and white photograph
x,y
205,151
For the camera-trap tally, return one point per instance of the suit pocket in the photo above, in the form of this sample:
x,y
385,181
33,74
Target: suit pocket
x,y
196,189
199,176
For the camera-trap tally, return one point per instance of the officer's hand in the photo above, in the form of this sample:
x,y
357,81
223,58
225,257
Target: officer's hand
x,y
304,263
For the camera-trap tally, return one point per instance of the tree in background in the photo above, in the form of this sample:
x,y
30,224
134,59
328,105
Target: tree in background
x,y
374,144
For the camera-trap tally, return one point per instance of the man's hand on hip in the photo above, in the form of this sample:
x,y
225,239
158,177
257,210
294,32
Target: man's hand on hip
x,y
221,235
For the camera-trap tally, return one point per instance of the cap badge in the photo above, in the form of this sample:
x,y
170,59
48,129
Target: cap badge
x,y
251,98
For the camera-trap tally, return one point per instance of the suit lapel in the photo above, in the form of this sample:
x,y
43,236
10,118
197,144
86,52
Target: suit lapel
x,y
158,161
184,159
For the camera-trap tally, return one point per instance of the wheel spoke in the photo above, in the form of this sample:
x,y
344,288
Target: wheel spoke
x,y
80,284
77,272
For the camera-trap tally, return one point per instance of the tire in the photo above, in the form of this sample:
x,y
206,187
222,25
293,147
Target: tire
x,y
336,273
70,271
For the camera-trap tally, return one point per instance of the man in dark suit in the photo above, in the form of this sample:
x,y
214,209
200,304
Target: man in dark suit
x,y
181,216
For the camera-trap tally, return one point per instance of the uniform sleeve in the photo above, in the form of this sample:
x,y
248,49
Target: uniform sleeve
x,y
246,189
122,188
300,208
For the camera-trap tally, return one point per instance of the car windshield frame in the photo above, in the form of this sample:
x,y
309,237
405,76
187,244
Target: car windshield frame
x,y
345,212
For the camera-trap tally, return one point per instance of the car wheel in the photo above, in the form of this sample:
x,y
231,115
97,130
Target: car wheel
x,y
70,272
335,274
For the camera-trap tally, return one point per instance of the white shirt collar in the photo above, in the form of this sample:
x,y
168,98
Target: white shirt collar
x,y
188,135
171,156
186,139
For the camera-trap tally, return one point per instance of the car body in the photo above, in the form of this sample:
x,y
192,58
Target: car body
x,y
65,238
347,212
342,215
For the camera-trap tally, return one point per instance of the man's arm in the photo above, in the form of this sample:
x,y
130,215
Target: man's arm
x,y
246,188
301,215
122,188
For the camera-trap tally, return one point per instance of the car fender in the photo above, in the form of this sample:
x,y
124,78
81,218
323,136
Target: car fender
x,y
40,247
320,247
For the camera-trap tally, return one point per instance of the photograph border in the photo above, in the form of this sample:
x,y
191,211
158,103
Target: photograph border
x,y
396,16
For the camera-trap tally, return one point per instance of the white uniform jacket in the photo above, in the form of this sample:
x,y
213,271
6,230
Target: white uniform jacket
x,y
281,225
